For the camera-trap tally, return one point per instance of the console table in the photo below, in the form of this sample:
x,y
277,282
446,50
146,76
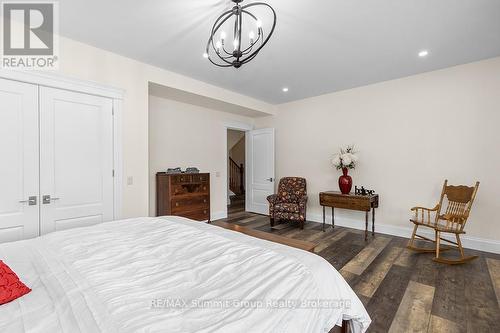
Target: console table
x,y
363,203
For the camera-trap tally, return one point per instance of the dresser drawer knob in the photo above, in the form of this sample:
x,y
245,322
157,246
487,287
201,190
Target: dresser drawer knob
x,y
176,204
204,200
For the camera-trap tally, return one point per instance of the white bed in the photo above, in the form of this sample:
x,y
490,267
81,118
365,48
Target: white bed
x,y
133,275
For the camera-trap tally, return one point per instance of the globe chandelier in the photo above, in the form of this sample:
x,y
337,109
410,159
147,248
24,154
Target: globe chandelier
x,y
246,39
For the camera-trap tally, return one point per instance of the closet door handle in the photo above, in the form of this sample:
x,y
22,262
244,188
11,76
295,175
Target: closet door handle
x,y
31,201
46,199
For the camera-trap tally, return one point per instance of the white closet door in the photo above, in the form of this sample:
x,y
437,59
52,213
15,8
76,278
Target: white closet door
x,y
19,161
76,163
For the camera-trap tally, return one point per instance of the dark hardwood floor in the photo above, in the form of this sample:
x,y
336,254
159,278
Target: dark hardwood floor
x,y
402,291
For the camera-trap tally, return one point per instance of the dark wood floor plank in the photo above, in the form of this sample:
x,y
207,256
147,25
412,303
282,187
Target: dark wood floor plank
x,y
386,299
257,221
482,313
248,220
341,252
426,270
449,297
364,258
441,325
282,229
494,270
333,237
414,311
376,272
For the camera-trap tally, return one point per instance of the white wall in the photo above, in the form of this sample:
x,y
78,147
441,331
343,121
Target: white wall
x,y
81,61
237,153
411,134
233,136
184,135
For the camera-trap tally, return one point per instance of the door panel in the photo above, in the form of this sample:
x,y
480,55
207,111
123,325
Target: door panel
x,y
76,159
19,165
260,169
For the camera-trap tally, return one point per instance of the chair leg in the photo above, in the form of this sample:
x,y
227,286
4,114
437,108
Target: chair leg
x,y
272,221
412,247
461,260
459,244
438,241
302,225
412,239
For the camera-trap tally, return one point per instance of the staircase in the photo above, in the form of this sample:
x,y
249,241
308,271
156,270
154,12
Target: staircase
x,y
236,178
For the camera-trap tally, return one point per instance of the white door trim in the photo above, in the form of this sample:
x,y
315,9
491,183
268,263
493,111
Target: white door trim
x,y
239,126
117,158
53,80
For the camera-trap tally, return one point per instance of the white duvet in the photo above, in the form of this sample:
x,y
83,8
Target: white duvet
x,y
172,275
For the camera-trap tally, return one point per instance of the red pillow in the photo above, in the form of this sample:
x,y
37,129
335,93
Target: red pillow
x,y
10,285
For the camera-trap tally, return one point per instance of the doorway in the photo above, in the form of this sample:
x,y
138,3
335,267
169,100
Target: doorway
x,y
236,173
256,167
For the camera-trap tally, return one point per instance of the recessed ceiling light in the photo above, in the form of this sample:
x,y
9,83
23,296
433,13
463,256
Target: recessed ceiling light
x,y
285,89
423,53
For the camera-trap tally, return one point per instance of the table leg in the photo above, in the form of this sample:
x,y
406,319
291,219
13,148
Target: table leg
x,y
333,217
373,221
323,218
366,225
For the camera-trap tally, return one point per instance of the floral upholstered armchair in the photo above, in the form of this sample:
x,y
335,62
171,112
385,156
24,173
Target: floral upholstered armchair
x,y
290,201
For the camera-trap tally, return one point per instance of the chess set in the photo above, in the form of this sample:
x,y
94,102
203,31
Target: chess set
x,y
179,170
362,191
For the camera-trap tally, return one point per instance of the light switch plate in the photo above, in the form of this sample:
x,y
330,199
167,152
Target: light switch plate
x,y
130,180
217,174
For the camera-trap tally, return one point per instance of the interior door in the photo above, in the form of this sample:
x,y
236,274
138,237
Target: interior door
x,y
19,210
76,163
260,169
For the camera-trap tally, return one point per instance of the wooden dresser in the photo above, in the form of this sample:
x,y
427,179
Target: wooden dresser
x,y
186,195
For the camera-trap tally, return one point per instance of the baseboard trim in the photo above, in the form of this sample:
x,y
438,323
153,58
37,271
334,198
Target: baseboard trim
x,y
218,215
469,242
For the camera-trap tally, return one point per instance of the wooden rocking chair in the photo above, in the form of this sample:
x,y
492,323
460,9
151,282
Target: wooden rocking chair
x,y
460,199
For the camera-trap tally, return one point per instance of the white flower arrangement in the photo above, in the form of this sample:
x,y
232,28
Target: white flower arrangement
x,y
346,158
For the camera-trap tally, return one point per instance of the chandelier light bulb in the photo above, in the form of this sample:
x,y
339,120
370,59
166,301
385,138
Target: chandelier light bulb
x,y
223,35
251,35
218,45
423,53
258,24
205,55
235,43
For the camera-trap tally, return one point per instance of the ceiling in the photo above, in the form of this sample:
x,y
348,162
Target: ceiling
x,y
318,47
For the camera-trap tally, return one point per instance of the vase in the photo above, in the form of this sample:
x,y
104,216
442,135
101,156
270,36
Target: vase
x,y
345,182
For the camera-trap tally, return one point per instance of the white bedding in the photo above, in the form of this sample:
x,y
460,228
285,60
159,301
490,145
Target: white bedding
x,y
134,275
